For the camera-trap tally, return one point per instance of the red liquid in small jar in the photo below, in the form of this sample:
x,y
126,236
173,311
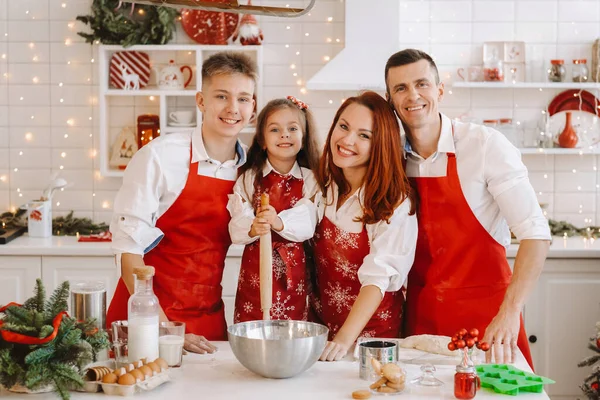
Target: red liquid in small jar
x,y
465,385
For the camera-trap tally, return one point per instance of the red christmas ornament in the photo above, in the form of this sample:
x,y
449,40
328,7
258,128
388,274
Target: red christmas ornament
x,y
594,386
248,31
209,27
598,343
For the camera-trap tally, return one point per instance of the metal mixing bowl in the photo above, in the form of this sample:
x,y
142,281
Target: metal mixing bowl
x,y
277,349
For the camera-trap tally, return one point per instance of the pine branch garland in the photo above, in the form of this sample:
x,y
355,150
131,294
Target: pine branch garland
x,y
37,302
59,362
113,25
58,300
61,226
17,315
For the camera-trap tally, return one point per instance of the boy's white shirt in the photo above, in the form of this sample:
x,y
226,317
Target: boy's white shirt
x,y
154,179
299,221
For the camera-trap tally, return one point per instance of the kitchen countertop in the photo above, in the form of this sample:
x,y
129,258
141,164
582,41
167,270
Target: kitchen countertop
x,y
573,247
220,376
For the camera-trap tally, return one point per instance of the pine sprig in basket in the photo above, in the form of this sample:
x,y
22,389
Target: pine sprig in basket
x,y
58,362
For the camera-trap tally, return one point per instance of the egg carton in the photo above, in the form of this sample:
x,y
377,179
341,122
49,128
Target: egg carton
x,y
114,389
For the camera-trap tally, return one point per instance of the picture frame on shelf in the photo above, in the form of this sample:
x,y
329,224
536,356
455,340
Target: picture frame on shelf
x,y
514,52
508,52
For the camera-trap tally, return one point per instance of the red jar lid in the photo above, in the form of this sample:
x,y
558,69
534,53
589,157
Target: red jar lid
x,y
506,120
580,61
557,62
490,121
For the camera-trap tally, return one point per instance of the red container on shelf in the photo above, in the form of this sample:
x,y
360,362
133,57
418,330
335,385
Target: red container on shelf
x,y
148,128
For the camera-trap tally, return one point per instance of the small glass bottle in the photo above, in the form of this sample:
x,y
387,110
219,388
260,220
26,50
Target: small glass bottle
x,y
580,71
466,382
557,71
143,310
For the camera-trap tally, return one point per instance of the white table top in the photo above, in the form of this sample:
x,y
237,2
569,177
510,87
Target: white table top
x,y
220,376
574,247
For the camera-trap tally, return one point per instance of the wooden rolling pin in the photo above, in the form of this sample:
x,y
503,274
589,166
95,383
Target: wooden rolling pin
x,y
266,267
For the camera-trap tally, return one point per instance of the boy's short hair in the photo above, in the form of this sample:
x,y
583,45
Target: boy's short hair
x,y
229,63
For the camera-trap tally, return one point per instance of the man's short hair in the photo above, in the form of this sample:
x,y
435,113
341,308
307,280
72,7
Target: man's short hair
x,y
410,56
229,63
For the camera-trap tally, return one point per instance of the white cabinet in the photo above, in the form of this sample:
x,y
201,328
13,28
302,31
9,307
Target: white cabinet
x,y
560,317
59,269
17,278
120,108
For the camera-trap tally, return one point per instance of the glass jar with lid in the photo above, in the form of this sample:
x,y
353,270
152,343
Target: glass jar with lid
x,y
579,70
557,71
493,70
492,123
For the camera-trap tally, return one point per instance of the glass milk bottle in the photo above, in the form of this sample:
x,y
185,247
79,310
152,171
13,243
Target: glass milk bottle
x,y
143,309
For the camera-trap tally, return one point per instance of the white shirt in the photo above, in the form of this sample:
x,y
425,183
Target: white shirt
x,y
492,176
154,179
393,245
298,222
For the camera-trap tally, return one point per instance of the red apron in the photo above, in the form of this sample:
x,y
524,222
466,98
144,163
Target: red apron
x,y
338,256
190,259
460,274
289,262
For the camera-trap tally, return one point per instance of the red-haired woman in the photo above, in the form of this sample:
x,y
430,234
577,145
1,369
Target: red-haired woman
x,y
364,243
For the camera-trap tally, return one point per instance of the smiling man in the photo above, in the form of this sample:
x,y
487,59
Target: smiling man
x,y
171,211
472,187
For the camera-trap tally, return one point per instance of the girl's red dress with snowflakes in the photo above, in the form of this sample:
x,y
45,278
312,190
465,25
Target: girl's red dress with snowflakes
x,y
289,262
338,256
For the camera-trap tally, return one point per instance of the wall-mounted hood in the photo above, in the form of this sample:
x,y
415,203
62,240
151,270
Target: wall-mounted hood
x,y
372,35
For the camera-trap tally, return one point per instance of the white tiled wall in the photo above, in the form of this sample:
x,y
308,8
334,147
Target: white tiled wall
x,y
48,111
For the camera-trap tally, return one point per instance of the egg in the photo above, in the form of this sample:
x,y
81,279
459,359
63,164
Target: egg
x,y
162,363
137,374
146,370
154,366
138,364
144,361
120,371
110,378
126,379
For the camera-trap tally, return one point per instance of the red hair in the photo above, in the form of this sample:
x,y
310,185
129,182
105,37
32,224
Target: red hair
x,y
387,186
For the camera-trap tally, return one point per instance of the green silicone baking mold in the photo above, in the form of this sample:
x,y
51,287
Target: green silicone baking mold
x,y
507,379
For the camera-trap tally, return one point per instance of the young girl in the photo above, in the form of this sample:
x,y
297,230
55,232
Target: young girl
x,y
279,163
365,240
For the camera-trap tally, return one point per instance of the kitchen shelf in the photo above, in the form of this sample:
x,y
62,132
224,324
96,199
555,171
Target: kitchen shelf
x,y
149,92
527,85
126,105
559,151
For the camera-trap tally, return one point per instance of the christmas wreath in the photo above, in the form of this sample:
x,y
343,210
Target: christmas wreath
x,y
42,346
115,23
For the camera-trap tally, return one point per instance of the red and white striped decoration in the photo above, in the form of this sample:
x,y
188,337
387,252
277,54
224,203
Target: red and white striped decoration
x,y
137,62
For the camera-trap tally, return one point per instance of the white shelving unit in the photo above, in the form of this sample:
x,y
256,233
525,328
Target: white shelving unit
x,y
559,151
119,108
526,85
540,86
